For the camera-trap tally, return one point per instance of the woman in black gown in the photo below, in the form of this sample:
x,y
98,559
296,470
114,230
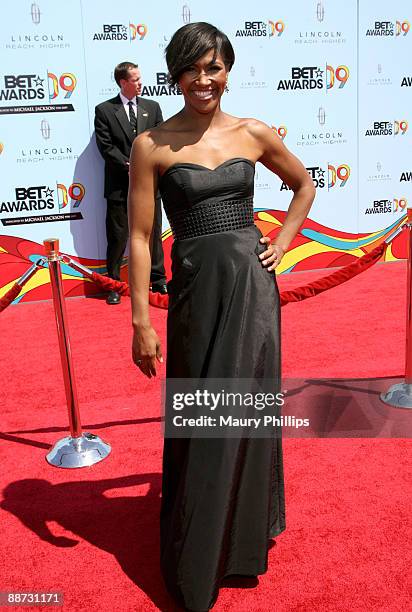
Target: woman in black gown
x,y
222,499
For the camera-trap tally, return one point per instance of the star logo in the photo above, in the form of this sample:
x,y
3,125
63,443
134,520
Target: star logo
x,y
319,73
124,28
49,192
321,172
39,82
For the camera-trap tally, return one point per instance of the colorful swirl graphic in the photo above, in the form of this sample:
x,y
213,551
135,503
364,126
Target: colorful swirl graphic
x,y
315,247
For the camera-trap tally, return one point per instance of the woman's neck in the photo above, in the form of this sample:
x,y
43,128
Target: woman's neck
x,y
202,121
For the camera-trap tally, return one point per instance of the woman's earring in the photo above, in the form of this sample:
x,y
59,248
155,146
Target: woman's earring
x,y
226,87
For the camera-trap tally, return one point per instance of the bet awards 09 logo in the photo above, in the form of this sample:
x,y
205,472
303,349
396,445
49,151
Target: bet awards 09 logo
x,y
385,206
335,176
161,88
119,31
23,87
388,128
42,199
265,29
315,77
389,28
32,88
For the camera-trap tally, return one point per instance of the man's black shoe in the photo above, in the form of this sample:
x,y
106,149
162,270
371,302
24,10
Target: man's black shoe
x,y
113,298
160,288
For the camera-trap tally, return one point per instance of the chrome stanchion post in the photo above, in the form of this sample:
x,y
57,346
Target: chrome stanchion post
x,y
79,449
77,266
400,395
31,271
54,259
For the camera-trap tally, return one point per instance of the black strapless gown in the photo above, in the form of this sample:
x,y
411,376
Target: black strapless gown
x,y
222,499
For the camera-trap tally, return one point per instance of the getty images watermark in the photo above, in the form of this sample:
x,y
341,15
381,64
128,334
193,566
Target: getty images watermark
x,y
297,408
225,408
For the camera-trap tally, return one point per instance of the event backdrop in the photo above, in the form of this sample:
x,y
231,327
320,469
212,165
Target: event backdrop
x,y
333,80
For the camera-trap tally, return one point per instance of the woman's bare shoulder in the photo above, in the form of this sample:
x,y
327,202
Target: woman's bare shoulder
x,y
151,143
158,136
143,145
248,125
254,127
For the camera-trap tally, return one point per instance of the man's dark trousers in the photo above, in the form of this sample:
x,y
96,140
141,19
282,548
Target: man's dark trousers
x,y
114,138
117,231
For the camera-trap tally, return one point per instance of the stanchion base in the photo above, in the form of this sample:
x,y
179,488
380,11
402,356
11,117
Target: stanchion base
x,y
399,395
84,451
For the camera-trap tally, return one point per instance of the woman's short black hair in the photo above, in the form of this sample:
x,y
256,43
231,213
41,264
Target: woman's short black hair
x,y
192,41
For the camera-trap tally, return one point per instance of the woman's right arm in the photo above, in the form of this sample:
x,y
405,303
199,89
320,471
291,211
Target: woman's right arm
x,y
146,347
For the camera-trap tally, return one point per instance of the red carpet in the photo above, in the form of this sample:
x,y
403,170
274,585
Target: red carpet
x,y
93,533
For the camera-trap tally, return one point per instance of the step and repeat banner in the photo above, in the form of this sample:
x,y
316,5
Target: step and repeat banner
x,y
333,81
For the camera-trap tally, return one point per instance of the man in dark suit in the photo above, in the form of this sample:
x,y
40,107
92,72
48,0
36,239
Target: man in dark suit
x,y
117,122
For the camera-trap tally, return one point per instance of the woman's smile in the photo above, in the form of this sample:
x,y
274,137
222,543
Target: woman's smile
x,y
203,94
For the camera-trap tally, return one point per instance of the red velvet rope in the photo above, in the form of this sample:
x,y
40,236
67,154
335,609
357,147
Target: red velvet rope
x,y
334,279
108,284
8,297
295,295
159,300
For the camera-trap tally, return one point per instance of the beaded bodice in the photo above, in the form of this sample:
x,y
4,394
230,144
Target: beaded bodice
x,y
200,201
